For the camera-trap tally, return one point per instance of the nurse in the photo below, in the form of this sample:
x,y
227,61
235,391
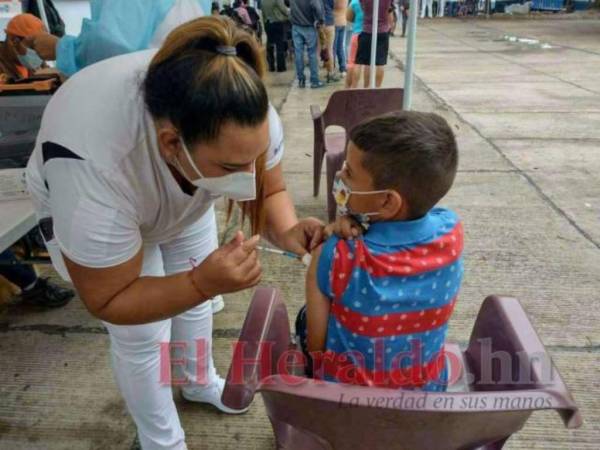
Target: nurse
x,y
131,153
117,27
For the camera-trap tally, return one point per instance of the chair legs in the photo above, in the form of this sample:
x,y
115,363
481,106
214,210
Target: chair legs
x,y
317,166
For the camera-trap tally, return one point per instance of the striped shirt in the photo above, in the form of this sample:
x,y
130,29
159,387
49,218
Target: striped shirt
x,y
392,292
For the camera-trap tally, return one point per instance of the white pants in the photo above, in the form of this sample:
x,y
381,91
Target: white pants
x,y
136,349
441,6
429,5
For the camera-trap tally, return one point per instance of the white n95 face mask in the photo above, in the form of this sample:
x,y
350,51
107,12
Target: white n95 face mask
x,y
238,186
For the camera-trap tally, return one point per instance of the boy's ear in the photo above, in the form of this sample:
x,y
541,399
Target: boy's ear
x,y
393,206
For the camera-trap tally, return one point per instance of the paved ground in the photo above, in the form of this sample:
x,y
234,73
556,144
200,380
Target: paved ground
x,y
528,125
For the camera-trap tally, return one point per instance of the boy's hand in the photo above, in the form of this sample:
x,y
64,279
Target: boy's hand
x,y
303,237
344,227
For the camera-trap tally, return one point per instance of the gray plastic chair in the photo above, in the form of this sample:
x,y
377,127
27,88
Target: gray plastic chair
x,y
308,414
346,108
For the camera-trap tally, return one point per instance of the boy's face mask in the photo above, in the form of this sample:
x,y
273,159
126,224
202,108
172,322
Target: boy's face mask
x,y
238,186
342,192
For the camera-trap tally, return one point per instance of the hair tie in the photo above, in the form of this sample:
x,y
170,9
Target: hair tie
x,y
226,50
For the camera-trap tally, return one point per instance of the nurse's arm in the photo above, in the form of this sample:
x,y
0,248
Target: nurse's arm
x,y
282,225
120,295
280,211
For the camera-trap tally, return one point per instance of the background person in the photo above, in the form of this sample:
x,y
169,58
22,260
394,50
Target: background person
x,y
354,15
276,15
34,290
17,60
339,43
328,40
404,10
305,16
363,56
426,8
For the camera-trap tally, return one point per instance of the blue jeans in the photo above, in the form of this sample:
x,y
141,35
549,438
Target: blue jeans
x,y
339,47
20,274
306,36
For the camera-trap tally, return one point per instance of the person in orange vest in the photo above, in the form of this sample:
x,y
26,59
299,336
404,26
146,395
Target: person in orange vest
x,y
17,60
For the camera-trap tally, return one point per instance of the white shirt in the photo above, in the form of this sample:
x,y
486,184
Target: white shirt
x,y
117,193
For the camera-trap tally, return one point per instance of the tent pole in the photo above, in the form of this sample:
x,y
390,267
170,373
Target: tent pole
x,y
410,54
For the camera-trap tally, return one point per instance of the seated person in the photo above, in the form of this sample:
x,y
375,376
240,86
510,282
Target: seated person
x,y
378,304
35,290
17,60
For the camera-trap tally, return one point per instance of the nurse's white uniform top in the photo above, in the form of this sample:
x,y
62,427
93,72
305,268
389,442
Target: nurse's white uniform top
x,y
97,171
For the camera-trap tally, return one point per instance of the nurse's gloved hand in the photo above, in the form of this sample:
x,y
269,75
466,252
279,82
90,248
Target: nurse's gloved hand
x,y
230,268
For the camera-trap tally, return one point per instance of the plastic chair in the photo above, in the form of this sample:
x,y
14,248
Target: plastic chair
x,y
316,415
346,108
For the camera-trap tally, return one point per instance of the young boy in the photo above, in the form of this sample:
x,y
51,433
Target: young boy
x,y
377,305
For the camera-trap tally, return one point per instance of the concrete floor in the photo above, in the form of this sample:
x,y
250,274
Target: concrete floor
x,y
528,126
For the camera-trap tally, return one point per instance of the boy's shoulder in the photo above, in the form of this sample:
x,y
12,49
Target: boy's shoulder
x,y
436,222
441,229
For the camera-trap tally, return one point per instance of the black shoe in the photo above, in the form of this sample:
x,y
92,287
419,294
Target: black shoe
x,y
302,84
47,294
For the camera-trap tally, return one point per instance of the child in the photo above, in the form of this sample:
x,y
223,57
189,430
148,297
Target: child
x,y
377,305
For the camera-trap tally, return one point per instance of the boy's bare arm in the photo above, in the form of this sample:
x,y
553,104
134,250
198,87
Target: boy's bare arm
x,y
317,307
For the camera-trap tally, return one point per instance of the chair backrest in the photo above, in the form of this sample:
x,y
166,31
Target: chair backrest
x,y
318,415
264,338
505,353
347,108
336,416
